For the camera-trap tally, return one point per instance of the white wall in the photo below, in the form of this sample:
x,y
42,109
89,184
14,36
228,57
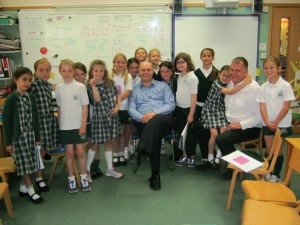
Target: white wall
x,y
16,3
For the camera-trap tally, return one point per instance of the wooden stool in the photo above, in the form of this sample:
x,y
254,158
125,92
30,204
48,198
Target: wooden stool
x,y
59,156
4,193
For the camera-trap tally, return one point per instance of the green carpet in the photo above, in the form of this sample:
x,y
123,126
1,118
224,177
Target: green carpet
x,y
187,197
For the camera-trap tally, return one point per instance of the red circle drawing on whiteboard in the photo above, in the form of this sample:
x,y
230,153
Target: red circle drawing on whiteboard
x,y
44,50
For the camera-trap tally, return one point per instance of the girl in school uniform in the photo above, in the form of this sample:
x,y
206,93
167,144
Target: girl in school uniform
x,y
93,171
141,54
155,58
123,80
213,114
186,97
72,101
133,68
22,132
168,75
167,72
42,90
207,73
105,121
274,97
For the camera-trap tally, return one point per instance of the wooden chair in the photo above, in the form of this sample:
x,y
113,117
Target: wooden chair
x,y
4,193
269,191
260,172
59,157
7,165
269,213
257,144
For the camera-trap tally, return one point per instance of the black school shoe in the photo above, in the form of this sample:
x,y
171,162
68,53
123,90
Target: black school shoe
x,y
47,156
155,182
36,201
25,194
42,189
96,173
208,165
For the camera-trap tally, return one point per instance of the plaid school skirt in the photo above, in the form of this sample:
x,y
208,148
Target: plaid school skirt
x,y
49,132
105,127
25,153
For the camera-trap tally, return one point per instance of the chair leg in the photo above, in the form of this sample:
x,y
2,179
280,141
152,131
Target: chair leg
x,y
231,189
173,157
8,203
77,176
3,177
57,158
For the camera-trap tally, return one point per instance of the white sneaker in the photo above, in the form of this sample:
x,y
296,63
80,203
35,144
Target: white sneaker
x,y
113,173
275,179
88,176
130,147
268,177
126,154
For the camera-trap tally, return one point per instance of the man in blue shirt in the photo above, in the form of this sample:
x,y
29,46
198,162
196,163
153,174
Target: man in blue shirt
x,y
150,106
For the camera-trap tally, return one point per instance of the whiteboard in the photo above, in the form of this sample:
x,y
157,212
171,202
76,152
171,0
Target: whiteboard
x,y
228,35
87,36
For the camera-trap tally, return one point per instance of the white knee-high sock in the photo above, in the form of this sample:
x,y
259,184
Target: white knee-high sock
x,y
108,157
89,159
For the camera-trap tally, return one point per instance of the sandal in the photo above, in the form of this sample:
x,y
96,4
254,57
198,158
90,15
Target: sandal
x,y
36,201
42,189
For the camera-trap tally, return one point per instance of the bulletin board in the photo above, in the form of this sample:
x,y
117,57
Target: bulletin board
x,y
85,36
228,35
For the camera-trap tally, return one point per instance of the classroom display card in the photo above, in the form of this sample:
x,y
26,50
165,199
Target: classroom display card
x,y
242,161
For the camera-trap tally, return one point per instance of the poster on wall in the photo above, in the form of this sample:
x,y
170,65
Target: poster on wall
x,y
295,109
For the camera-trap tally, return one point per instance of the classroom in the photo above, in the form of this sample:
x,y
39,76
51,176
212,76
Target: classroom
x,y
85,31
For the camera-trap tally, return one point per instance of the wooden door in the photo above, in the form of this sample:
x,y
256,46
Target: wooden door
x,y
291,62
293,37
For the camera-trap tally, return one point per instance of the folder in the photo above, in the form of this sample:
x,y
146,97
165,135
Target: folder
x,y
242,161
182,139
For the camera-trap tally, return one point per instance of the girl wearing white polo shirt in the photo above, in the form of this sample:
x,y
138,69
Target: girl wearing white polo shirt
x,y
72,101
186,98
274,97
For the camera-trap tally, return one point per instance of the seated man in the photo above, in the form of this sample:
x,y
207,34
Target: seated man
x,y
150,106
242,112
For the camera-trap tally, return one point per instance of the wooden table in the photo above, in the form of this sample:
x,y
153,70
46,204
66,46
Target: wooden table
x,y
291,143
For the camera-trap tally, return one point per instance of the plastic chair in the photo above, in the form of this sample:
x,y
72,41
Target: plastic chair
x,y
269,191
7,165
260,172
4,193
269,213
135,136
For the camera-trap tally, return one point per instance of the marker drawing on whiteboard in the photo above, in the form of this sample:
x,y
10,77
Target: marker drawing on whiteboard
x,y
55,56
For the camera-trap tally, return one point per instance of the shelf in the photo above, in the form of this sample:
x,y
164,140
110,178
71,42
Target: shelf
x,y
15,24
12,51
